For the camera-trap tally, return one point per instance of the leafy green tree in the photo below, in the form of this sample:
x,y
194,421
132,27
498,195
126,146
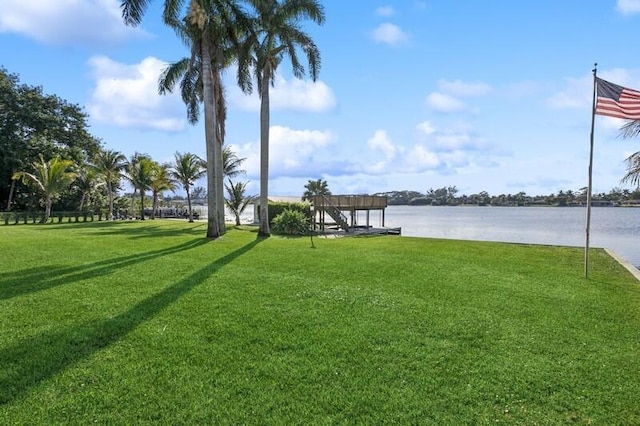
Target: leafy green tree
x,y
32,124
315,187
110,165
50,178
277,33
187,169
237,200
199,192
161,180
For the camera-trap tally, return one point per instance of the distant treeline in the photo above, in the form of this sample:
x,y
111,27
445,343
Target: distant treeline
x,y
448,196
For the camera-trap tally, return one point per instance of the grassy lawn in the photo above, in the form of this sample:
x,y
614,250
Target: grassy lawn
x,y
148,322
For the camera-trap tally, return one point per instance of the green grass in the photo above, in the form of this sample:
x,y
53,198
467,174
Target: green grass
x,y
148,322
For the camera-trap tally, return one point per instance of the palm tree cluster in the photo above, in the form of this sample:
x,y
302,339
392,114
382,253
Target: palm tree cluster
x,y
109,168
256,36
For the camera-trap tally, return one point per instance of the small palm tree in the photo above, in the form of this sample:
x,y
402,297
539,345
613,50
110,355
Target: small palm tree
x,y
236,200
110,164
50,177
140,175
161,180
277,33
87,182
315,187
187,169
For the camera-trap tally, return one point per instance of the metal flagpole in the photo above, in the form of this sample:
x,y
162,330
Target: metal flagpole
x,y
589,186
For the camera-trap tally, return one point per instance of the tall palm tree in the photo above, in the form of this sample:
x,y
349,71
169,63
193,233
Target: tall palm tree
x,y
277,34
237,201
140,175
315,187
110,164
206,26
161,180
50,177
187,73
187,169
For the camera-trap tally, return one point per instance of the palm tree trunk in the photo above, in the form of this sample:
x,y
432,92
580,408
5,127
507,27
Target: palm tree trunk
x,y
219,167
154,207
47,209
110,200
189,203
11,189
142,204
264,154
210,124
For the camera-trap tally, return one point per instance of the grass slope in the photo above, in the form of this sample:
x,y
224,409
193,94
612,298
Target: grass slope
x,y
148,322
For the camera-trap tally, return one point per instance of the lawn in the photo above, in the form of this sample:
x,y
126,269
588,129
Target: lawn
x,y
149,322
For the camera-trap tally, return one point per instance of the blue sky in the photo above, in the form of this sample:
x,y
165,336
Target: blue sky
x,y
485,95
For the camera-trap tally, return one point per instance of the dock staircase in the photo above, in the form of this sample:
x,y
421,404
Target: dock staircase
x,y
336,214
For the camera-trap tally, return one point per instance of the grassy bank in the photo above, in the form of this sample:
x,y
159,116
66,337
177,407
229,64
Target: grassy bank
x,y
148,322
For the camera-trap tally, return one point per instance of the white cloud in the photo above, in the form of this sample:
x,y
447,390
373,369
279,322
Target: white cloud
x,y
464,89
578,92
67,21
443,102
294,95
420,158
628,7
389,33
385,11
127,96
381,142
291,152
426,128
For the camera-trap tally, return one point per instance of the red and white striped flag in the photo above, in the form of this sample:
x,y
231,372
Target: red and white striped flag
x,y
617,101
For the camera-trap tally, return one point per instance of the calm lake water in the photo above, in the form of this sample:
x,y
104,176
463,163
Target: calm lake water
x,y
615,228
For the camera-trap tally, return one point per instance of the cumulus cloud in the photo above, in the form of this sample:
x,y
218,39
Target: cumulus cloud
x,y
127,96
464,89
447,98
443,102
385,11
381,142
446,151
292,95
390,34
292,153
578,92
426,128
67,21
628,7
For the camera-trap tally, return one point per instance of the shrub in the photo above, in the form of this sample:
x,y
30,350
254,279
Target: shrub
x,y
275,209
291,222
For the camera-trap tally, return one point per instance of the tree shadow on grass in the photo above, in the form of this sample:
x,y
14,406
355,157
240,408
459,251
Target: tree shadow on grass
x,y
42,278
133,229
31,361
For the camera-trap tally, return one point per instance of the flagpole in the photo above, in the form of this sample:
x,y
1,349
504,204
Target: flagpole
x,y
589,186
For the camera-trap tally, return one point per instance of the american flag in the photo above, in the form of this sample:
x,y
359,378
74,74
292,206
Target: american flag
x,y
617,101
